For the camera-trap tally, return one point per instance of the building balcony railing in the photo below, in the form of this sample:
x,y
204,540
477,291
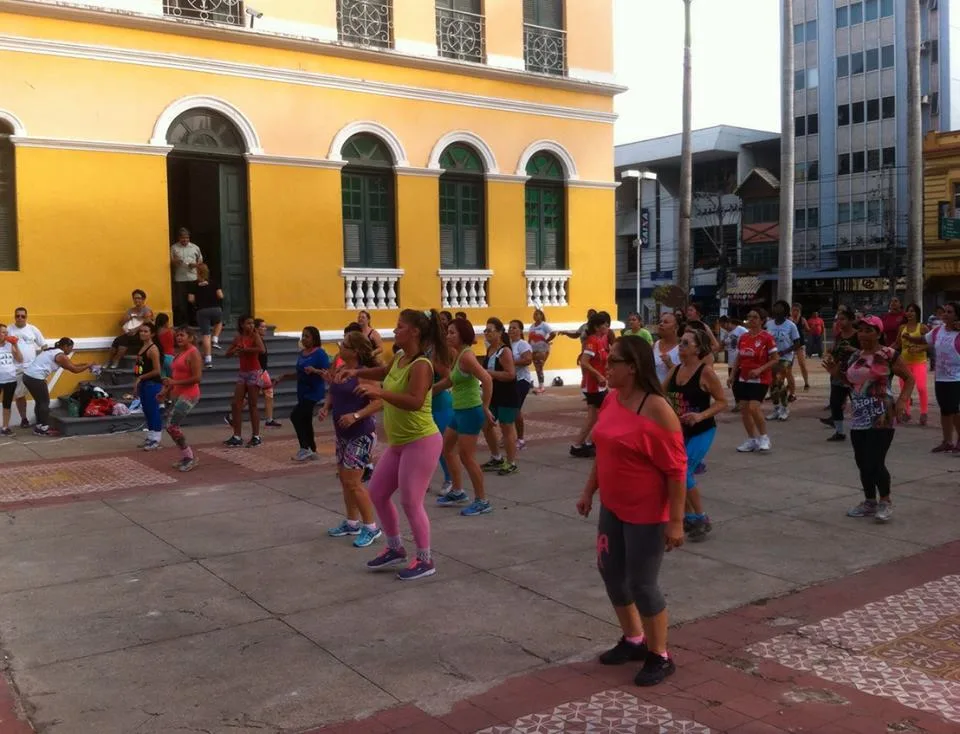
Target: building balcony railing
x,y
228,12
365,22
545,49
370,288
547,287
464,288
461,35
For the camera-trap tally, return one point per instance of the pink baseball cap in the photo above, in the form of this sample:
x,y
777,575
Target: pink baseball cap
x,y
873,321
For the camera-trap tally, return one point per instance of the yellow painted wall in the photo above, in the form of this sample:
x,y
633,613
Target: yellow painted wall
x,y
589,25
418,240
314,12
590,226
940,175
415,20
504,20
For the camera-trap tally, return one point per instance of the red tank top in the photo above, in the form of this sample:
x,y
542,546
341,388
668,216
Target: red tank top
x,y
249,361
180,370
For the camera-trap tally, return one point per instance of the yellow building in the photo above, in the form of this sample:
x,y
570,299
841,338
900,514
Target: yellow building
x,y
941,200
327,156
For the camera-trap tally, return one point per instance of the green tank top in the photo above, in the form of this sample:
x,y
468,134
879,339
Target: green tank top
x,y
466,388
406,426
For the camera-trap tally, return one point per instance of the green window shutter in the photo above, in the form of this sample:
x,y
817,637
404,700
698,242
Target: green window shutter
x,y
462,232
545,227
8,206
532,214
379,217
546,13
466,6
448,224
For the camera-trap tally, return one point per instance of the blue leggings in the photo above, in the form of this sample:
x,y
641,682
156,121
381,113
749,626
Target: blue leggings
x,y
151,408
442,415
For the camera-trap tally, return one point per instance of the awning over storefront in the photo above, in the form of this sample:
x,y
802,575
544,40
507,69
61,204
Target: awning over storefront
x,y
744,289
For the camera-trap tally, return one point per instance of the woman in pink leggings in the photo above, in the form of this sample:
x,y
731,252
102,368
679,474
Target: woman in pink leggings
x,y
915,358
413,440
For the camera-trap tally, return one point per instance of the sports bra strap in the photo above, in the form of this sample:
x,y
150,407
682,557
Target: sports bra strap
x,y
642,403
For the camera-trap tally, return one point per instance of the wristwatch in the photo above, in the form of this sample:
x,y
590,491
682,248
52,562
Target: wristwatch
x,y
356,417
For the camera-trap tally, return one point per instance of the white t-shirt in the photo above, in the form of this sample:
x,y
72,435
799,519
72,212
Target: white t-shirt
x,y
784,335
538,335
663,369
947,346
188,254
731,340
30,342
8,366
44,365
519,348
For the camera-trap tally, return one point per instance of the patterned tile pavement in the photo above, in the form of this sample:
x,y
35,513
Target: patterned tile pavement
x,y
610,712
905,647
59,479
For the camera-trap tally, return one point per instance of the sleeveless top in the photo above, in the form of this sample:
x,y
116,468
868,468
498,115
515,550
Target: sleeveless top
x,y
913,353
406,426
661,366
466,388
249,362
505,393
44,365
145,364
443,400
180,370
344,401
690,397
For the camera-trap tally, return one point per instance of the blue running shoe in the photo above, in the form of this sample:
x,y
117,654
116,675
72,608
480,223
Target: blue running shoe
x,y
343,529
367,537
477,507
387,558
452,498
419,569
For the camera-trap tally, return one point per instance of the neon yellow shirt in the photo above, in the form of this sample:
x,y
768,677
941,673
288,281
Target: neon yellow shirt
x,y
406,426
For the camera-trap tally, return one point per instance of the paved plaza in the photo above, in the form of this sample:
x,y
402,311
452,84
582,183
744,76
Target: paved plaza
x,y
137,599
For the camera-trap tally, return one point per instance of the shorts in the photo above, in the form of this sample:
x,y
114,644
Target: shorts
x,y
752,391
468,421
207,318
249,378
783,367
127,341
503,414
697,449
540,347
8,389
595,399
523,389
355,453
265,384
948,397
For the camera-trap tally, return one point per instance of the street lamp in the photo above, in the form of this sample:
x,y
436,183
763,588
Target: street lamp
x,y
640,176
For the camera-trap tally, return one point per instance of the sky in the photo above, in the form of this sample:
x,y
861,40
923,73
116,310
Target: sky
x,y
736,65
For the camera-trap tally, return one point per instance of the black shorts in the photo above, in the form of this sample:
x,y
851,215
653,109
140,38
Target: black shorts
x,y
8,389
595,399
948,397
751,391
128,341
523,388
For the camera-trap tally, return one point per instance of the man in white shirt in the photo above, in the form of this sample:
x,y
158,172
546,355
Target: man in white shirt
x,y
30,342
184,258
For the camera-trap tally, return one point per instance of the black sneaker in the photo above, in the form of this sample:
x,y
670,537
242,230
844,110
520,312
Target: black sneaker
x,y
233,442
583,452
24,423
656,668
698,529
837,437
828,422
273,423
624,652
367,473
228,419
254,442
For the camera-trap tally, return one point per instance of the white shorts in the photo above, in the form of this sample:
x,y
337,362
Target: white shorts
x,y
21,391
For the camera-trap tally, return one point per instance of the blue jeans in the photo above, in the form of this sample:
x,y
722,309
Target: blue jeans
x,y
151,407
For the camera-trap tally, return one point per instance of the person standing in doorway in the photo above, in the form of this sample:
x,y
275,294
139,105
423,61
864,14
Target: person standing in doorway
x,y
206,297
30,342
184,259
10,358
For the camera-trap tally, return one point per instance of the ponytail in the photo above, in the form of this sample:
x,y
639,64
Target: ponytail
x,y
432,339
63,343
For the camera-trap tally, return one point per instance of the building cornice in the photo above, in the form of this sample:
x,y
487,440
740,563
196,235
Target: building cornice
x,y
263,37
91,146
295,161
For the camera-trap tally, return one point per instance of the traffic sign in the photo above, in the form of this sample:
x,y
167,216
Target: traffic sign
x,y
949,228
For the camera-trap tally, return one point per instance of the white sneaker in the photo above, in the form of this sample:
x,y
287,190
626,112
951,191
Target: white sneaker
x,y
775,415
784,414
747,446
445,488
303,455
763,443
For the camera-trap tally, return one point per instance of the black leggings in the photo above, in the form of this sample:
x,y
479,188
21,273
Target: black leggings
x,y
41,397
870,449
629,557
8,389
838,398
302,418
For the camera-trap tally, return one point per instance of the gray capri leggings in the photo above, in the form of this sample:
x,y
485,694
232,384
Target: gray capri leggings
x,y
629,557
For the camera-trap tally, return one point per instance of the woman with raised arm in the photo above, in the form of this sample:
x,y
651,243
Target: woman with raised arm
x,y
35,377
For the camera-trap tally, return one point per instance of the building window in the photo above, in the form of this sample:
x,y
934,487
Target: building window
x,y
229,12
798,32
858,162
886,56
843,164
813,217
856,111
888,107
843,66
872,59
800,219
8,200
800,172
843,18
462,235
935,103
813,171
873,159
365,22
544,40
871,9
875,211
934,51
799,79
843,115
369,209
856,63
857,211
811,30
813,124
856,13
843,212
873,110
800,126
886,8
461,33
813,78
761,211
545,216
889,157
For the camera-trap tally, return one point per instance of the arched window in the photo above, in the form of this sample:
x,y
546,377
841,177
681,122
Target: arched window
x,y
368,203
462,231
8,201
545,215
205,131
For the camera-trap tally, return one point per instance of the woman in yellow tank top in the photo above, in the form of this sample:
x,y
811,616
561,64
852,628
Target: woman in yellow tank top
x,y
413,440
915,358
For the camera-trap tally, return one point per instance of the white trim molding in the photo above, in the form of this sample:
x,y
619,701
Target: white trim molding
x,y
507,178
551,146
294,161
18,127
370,288
502,61
592,75
199,101
418,172
90,52
294,29
473,140
373,128
579,184
415,48
91,146
464,288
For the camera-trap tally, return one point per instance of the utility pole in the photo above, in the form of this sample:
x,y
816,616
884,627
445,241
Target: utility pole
x,y
787,155
686,166
914,292
890,219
